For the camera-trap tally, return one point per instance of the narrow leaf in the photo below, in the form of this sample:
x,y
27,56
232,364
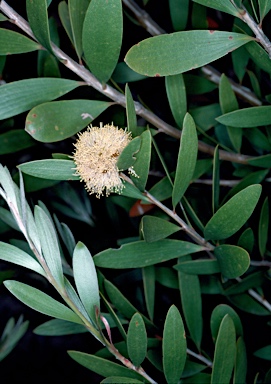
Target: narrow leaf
x,y
233,261
179,10
240,367
77,12
263,227
142,163
198,267
264,6
58,120
130,111
51,169
41,302
22,95
102,43
154,228
13,42
57,327
86,279
220,5
141,254
187,158
216,180
218,314
225,350
176,94
153,56
234,214
174,346
137,340
148,275
247,117
264,353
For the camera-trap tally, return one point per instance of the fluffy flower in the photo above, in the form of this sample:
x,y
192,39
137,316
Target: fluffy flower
x,y
96,153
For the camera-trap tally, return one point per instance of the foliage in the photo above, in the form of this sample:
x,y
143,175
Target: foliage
x,y
169,275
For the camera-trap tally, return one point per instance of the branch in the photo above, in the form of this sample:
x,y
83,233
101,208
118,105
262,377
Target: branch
x,y
113,94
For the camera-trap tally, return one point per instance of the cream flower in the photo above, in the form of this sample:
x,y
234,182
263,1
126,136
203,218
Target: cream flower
x,y
96,154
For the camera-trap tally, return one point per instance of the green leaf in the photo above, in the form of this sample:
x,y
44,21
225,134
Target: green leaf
x,y
130,111
198,267
167,277
234,214
56,327
233,261
137,340
41,302
240,367
22,95
246,303
86,279
261,161
174,346
197,85
77,12
141,254
220,5
176,94
259,56
153,56
58,120
246,240
187,158
101,366
148,276
204,116
225,350
121,302
64,16
142,163
51,169
15,255
247,117
49,244
102,37
179,10
13,42
264,7
154,228
263,227
124,74
38,19
217,316
253,280
127,157
263,353
120,380
12,333
216,180
14,141
189,286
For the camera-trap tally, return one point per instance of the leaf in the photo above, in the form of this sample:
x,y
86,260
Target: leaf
x,y
264,7
142,163
130,111
216,180
13,42
101,366
77,12
198,267
38,19
124,74
148,276
174,346
15,255
263,227
64,16
259,56
234,214
137,340
245,302
56,327
233,261
11,335
14,141
167,277
86,279
49,244
247,117
154,56
179,10
246,240
22,95
58,120
127,157
102,37
225,350
197,85
263,353
41,302
176,94
240,367
187,158
140,254
253,280
154,228
120,380
217,316
189,286
51,169
220,5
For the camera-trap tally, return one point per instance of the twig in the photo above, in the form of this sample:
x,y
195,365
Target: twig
x,y
263,263
200,357
212,74
113,94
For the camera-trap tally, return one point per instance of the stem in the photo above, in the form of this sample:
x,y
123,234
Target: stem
x,y
113,94
256,29
200,357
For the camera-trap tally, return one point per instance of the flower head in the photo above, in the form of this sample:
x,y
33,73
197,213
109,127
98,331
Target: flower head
x,y
96,153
